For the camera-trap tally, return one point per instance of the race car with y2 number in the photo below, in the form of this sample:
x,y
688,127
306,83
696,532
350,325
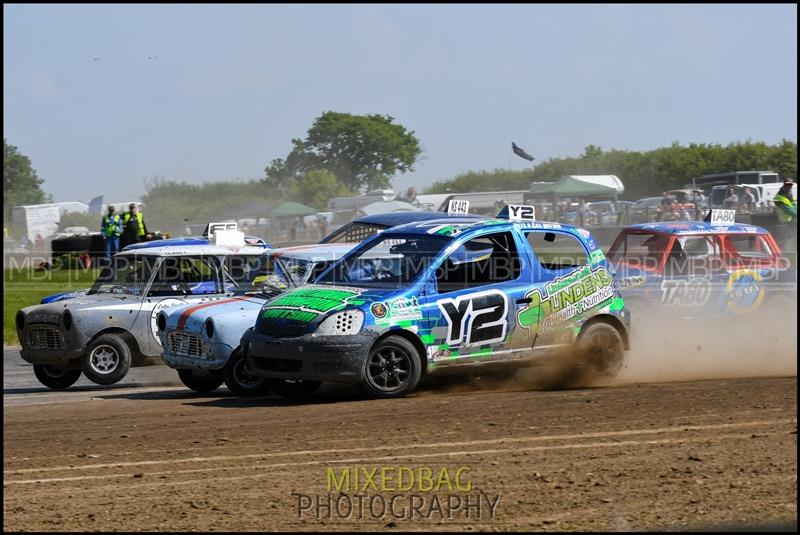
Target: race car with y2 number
x,y
445,296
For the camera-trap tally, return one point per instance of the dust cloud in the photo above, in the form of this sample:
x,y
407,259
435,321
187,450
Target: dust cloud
x,y
667,347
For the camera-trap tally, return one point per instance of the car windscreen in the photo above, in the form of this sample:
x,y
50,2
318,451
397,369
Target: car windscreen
x,y
388,262
187,275
354,233
125,274
641,250
265,274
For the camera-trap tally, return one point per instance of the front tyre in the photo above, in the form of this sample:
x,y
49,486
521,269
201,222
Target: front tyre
x,y
393,368
55,378
202,383
241,382
106,360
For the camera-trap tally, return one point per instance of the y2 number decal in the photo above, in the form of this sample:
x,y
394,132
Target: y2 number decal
x,y
478,318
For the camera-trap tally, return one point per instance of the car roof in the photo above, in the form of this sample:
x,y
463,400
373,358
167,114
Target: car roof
x,y
457,226
188,240
194,249
393,219
697,227
318,252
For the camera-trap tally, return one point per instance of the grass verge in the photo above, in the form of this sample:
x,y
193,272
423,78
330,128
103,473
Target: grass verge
x,y
24,287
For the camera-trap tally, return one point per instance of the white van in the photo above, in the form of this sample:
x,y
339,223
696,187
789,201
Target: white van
x,y
765,193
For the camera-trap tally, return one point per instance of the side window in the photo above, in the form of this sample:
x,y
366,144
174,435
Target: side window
x,y
748,249
697,255
185,276
481,261
557,251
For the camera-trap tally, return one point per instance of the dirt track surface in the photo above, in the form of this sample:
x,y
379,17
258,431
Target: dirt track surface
x,y
670,455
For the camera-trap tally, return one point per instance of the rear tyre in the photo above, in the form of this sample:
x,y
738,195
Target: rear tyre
x,y
241,382
294,389
55,378
202,383
393,368
600,352
106,360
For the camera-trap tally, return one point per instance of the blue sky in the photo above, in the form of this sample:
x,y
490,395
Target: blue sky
x,y
232,85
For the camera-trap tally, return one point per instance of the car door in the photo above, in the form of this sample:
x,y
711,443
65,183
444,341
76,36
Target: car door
x,y
693,275
179,280
471,299
564,288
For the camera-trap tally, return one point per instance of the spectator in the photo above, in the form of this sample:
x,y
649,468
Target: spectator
x,y
698,200
785,205
748,203
111,229
134,229
731,200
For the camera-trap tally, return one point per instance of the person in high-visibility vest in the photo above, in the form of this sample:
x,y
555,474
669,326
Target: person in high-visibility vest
x,y
111,228
785,205
134,229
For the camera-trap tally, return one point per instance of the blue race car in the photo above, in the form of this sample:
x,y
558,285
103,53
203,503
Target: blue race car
x,y
443,296
699,270
202,340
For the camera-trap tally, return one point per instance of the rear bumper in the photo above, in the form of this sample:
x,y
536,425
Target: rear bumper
x,y
308,358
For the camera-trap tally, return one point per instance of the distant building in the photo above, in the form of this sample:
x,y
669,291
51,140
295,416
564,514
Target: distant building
x,y
44,218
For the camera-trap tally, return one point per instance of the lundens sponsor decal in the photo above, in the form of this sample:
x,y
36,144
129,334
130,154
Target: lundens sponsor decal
x,y
566,297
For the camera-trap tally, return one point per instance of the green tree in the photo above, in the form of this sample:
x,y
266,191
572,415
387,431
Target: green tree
x,y
644,173
170,205
21,185
362,151
316,187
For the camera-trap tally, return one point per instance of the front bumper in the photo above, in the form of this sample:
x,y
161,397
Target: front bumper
x,y
64,346
338,359
218,356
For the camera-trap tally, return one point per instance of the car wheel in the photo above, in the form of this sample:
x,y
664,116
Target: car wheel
x,y
393,368
240,381
294,389
202,383
106,360
600,352
55,378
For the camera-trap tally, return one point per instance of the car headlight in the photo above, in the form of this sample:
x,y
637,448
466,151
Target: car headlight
x,y
209,328
20,320
161,321
342,323
67,320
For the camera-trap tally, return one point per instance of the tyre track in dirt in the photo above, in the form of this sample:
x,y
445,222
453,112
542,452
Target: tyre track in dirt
x,y
634,457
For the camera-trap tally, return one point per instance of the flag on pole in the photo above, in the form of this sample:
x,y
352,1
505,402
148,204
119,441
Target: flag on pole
x,y
96,206
521,153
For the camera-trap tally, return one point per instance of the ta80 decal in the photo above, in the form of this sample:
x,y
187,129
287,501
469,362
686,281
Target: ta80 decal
x,y
685,292
478,318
